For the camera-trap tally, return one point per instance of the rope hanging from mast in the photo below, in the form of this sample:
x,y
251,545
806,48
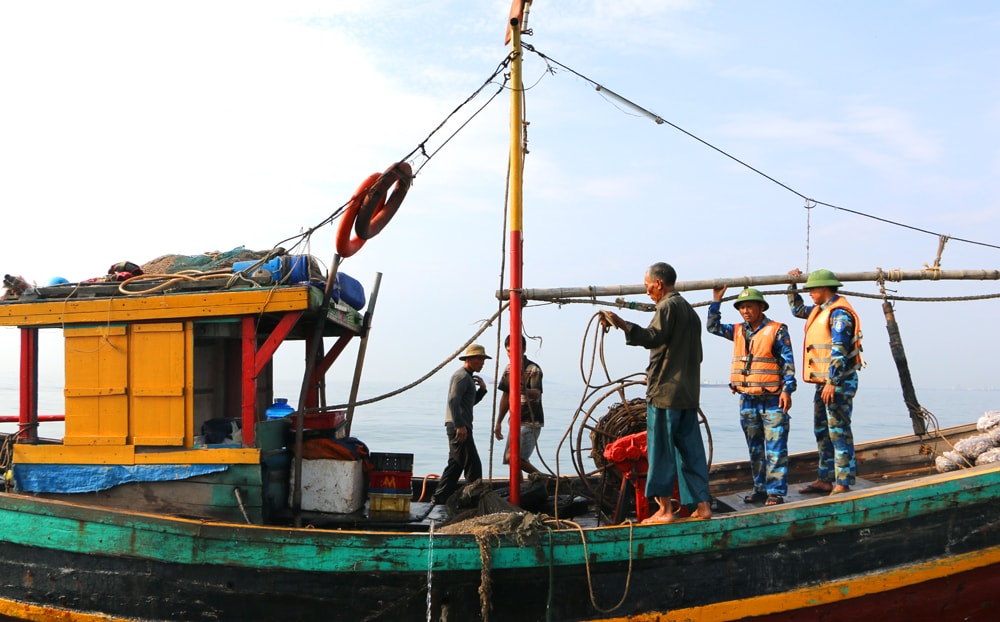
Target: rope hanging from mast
x,y
917,412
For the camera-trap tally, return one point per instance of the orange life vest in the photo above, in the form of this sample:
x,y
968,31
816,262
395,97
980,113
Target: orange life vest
x,y
755,369
819,342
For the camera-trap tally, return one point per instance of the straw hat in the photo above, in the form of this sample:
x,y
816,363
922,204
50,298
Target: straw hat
x,y
474,350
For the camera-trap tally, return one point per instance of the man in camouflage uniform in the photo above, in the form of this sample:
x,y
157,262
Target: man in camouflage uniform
x,y
832,357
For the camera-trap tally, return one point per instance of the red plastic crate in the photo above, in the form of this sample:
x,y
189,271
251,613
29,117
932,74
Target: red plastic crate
x,y
323,421
390,481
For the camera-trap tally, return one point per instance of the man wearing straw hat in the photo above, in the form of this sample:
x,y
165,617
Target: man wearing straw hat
x,y
465,391
763,373
831,359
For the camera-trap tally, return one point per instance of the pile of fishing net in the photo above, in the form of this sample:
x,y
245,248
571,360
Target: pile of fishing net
x,y
480,511
983,448
621,420
205,262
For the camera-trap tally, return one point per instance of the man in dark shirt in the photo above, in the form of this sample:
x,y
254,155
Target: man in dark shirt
x,y
673,385
532,414
463,395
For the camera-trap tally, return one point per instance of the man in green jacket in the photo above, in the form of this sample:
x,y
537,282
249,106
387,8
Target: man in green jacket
x,y
673,385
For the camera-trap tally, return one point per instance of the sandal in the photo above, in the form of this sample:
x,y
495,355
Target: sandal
x,y
756,497
774,500
813,489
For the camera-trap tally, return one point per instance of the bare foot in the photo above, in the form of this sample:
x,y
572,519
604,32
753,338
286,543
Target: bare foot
x,y
836,490
704,511
659,517
658,513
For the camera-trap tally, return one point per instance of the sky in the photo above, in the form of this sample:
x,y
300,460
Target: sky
x,y
130,130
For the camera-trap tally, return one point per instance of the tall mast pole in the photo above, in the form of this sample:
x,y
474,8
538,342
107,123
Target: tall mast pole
x,y
516,354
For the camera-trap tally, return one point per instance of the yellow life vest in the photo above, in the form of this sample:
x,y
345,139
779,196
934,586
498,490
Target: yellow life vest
x,y
819,342
755,369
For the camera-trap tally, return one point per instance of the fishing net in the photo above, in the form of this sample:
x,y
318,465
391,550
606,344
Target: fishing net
x,y
206,262
973,446
480,511
949,461
989,456
989,421
978,449
621,420
477,507
994,435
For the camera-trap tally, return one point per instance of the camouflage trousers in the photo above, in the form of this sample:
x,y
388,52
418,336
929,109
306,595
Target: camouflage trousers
x,y
834,438
766,429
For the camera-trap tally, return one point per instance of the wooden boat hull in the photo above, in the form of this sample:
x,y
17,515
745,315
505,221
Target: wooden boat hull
x,y
926,545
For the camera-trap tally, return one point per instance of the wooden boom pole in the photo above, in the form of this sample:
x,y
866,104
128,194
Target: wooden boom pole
x,y
597,291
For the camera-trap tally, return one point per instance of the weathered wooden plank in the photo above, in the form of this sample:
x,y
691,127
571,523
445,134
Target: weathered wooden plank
x,y
209,496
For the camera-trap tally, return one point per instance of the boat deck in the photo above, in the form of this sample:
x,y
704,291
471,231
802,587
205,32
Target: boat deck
x,y
422,516
734,502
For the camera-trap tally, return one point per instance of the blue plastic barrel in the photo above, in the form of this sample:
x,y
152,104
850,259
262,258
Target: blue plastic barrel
x,y
279,409
349,290
273,266
295,266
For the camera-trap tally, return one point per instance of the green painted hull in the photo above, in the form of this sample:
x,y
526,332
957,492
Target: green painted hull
x,y
152,567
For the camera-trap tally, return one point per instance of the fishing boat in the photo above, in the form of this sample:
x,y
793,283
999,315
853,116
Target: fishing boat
x,y
175,495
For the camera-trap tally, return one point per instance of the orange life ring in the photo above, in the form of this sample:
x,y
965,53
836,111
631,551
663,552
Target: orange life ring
x,y
347,245
377,209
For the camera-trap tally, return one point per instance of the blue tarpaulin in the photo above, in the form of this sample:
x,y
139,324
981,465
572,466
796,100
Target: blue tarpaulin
x,y
70,478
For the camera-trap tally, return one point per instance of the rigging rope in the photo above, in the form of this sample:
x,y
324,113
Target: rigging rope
x,y
621,303
303,238
661,121
809,206
586,563
486,324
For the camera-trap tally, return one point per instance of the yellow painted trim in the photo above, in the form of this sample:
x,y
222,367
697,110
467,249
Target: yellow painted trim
x,y
126,455
158,441
36,613
74,454
826,593
188,384
93,391
159,392
221,455
103,311
92,440
97,331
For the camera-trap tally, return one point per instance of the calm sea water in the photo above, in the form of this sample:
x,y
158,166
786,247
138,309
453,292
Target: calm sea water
x,y
413,422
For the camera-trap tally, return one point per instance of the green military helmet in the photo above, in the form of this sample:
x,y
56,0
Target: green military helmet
x,y
821,278
750,295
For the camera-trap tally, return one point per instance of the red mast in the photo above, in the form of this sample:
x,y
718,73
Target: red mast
x,y
518,9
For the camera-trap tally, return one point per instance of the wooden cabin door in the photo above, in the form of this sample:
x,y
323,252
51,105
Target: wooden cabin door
x,y
96,390
159,356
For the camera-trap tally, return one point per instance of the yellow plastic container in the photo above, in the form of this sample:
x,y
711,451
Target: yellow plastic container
x,y
384,502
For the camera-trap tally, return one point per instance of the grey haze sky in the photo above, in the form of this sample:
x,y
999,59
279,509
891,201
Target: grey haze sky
x,y
132,130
